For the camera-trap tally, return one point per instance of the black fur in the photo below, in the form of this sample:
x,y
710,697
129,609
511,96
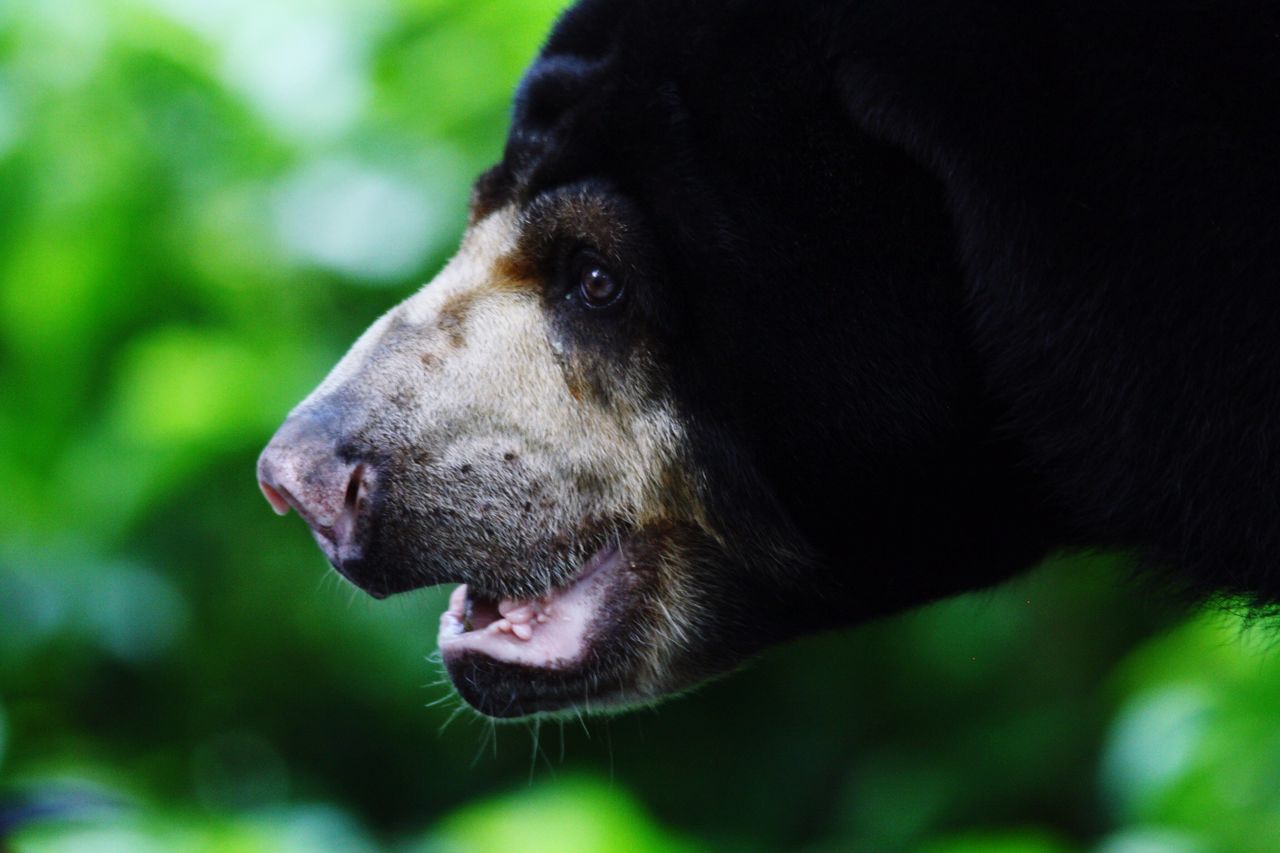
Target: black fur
x,y
964,282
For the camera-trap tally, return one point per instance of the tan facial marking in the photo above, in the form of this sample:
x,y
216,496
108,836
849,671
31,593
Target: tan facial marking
x,y
482,330
468,382
453,315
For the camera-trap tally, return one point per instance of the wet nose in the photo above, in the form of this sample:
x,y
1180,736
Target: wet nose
x,y
301,469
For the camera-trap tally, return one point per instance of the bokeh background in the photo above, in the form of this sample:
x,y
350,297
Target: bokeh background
x,y
202,202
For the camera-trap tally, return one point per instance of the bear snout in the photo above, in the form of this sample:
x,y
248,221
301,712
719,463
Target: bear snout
x,y
301,469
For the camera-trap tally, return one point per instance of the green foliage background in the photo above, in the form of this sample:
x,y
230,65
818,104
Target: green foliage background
x,y
202,202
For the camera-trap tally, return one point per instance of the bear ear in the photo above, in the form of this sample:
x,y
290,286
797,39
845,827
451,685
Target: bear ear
x,y
569,75
587,29
552,91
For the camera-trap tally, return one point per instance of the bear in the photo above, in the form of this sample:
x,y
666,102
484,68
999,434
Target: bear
x,y
778,317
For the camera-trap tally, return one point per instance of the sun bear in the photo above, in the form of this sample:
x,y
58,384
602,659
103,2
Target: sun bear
x,y
775,317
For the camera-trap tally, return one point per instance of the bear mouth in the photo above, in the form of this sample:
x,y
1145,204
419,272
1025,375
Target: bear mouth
x,y
552,631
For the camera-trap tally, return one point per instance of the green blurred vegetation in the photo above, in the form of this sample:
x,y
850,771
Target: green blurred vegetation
x,y
202,202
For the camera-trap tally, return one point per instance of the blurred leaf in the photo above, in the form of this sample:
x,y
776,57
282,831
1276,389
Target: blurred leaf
x,y
122,609
1196,746
1153,840
293,830
1152,742
183,387
1008,841
581,815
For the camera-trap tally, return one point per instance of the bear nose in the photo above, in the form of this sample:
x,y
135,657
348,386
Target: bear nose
x,y
301,469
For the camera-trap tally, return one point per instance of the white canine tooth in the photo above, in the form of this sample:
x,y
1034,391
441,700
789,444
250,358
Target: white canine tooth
x,y
502,625
522,630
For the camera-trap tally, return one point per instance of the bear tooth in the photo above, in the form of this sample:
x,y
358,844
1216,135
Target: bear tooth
x,y
519,614
522,630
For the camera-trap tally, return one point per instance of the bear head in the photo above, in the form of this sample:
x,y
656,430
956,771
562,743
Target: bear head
x,y
696,382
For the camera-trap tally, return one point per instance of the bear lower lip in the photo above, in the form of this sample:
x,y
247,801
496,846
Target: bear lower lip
x,y
551,631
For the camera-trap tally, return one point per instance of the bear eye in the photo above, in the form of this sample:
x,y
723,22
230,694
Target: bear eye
x,y
596,285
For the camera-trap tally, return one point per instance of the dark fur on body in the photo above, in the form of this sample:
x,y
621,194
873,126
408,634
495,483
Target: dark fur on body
x,y
965,282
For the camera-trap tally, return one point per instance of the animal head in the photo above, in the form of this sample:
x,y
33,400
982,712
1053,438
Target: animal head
x,y
680,394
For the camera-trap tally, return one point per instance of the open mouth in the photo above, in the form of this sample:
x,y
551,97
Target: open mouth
x,y
552,631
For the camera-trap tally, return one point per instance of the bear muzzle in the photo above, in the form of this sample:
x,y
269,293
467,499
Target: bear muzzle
x,y
303,469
